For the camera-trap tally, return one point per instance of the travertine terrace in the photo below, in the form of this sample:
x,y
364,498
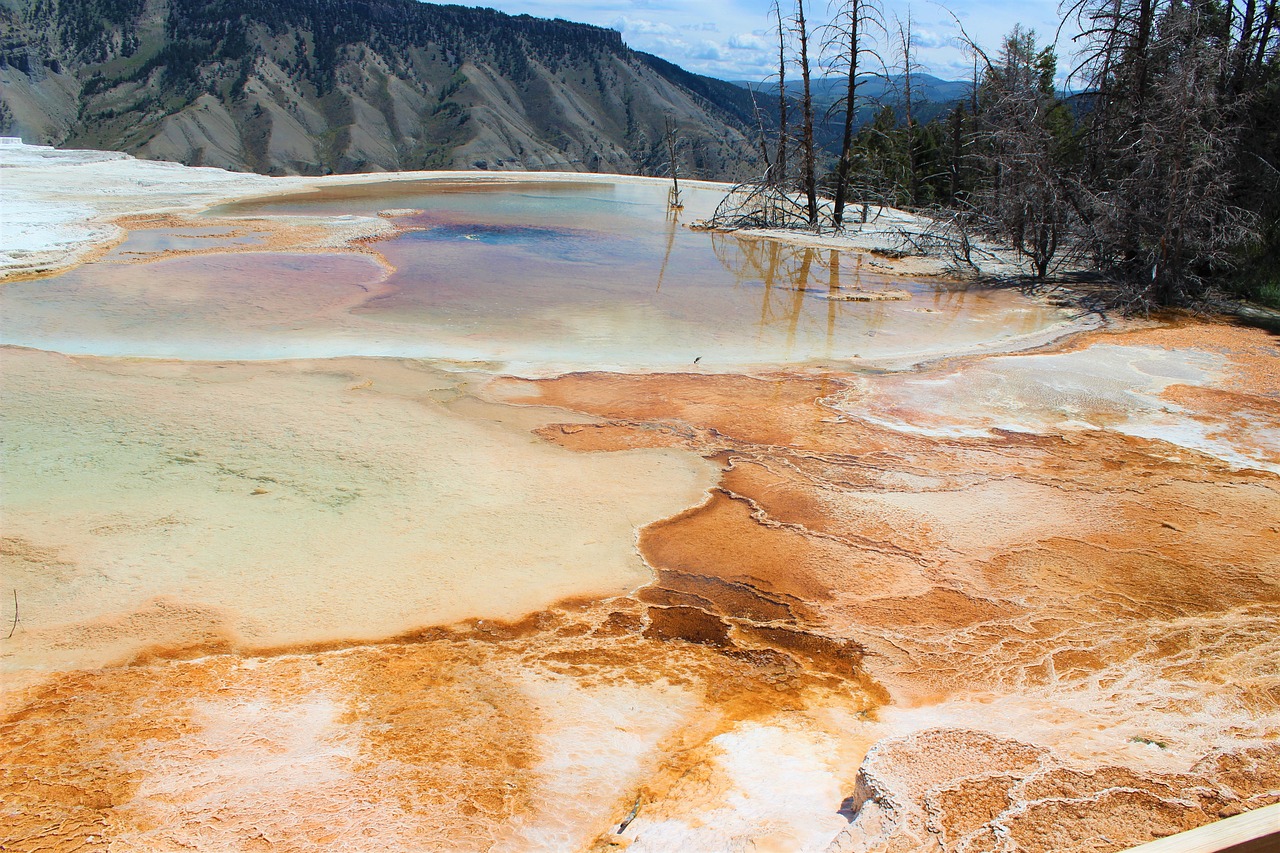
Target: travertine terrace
x,y
306,585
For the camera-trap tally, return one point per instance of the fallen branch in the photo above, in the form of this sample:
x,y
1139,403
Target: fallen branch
x,y
635,810
757,204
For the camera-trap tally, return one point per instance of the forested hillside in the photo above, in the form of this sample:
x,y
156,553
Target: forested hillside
x,y
1159,175
318,86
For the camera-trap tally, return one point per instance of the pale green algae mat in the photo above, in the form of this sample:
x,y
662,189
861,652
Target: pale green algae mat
x,y
323,544
278,506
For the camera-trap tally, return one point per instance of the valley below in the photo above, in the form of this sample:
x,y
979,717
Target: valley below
x,y
445,512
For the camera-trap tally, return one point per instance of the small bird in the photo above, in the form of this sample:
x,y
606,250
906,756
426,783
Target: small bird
x,y
698,359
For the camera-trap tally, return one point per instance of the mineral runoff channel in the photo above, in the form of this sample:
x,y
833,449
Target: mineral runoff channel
x,y
357,547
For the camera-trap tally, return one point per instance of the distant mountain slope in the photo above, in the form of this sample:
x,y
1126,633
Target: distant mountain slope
x,y
317,86
828,90
931,97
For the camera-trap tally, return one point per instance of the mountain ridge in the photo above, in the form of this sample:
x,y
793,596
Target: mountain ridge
x,y
320,86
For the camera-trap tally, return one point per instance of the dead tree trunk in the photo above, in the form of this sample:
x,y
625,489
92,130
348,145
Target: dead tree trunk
x,y
673,198
779,176
806,103
849,32
906,40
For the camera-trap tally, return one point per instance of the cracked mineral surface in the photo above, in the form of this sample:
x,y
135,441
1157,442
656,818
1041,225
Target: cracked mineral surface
x,y
450,540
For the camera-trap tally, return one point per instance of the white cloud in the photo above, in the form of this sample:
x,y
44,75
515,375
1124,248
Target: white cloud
x,y
642,27
706,50
731,38
925,39
747,41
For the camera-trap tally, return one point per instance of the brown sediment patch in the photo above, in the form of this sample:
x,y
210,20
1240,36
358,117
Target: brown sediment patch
x,y
866,296
778,409
271,234
140,221
720,595
34,273
1135,816
1251,774
1247,420
722,539
691,624
940,607
967,808
618,436
440,741
1252,352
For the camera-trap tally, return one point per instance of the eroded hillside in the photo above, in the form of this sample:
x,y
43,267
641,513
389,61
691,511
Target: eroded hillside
x,y
314,86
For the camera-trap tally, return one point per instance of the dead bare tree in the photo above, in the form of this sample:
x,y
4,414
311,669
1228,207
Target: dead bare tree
x,y
778,176
760,128
673,197
769,202
1156,197
1022,142
847,45
808,164
956,232
909,67
756,204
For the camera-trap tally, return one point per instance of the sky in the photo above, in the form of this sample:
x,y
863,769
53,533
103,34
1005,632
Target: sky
x,y
731,39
